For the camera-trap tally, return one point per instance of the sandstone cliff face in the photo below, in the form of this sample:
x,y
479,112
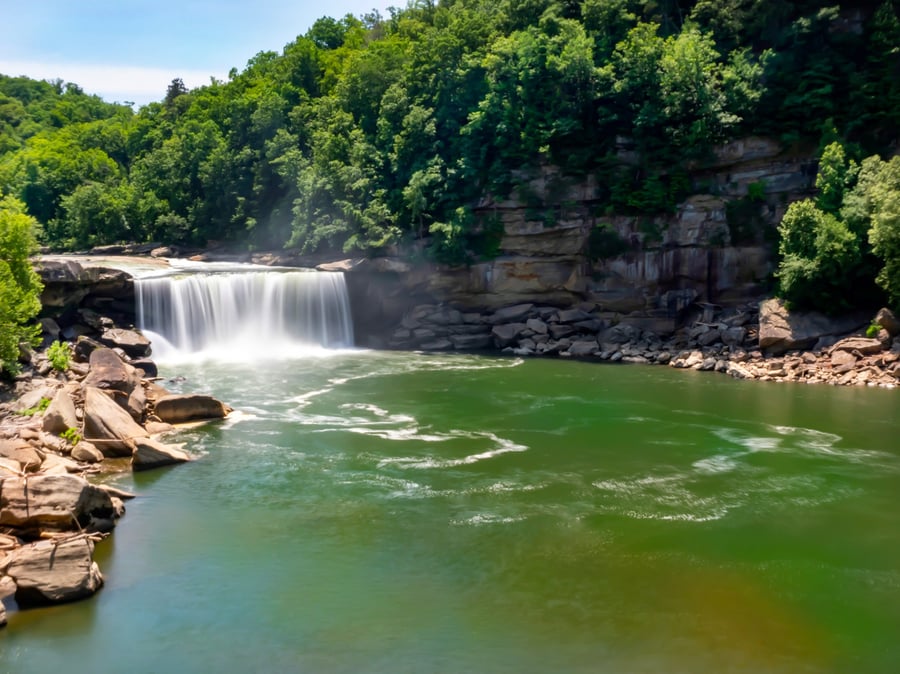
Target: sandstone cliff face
x,y
706,251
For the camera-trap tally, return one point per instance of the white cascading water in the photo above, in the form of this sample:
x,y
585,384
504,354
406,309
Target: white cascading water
x,y
254,315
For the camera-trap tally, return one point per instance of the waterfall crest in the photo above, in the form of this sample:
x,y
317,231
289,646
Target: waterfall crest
x,y
244,315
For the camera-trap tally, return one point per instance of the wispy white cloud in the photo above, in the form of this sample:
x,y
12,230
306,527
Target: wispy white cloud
x,y
119,83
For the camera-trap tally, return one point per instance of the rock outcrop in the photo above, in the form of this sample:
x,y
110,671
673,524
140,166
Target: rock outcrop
x,y
71,289
60,429
723,340
560,247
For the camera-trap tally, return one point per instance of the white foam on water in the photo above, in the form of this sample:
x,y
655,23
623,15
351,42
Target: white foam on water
x,y
374,409
467,363
716,464
752,443
510,488
691,517
236,417
503,446
482,519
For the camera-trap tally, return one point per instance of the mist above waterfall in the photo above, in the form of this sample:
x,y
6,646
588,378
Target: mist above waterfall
x,y
244,315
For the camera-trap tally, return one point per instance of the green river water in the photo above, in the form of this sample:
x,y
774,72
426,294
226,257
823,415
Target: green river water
x,y
397,512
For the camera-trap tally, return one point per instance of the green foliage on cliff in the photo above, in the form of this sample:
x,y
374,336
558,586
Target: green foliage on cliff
x,y
20,286
878,197
834,247
366,134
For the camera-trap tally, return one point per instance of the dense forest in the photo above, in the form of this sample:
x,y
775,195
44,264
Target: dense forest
x,y
369,134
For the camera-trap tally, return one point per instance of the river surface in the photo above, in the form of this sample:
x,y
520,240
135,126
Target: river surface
x,y
395,512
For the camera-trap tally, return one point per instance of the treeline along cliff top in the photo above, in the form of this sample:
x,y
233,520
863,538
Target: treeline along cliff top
x,y
370,134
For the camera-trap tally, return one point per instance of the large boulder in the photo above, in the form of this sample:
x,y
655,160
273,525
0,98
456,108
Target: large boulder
x,y
132,342
84,347
510,314
887,320
52,503
864,345
60,415
109,426
51,572
110,372
782,330
175,409
149,453
148,366
584,347
137,403
86,452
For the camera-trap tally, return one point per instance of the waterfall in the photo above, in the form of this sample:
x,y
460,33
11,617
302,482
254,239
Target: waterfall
x,y
246,315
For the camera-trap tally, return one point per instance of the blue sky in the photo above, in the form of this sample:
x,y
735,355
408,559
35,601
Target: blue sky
x,y
130,50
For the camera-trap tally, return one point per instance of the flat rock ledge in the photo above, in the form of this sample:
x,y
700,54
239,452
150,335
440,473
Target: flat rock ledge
x,y
58,429
763,341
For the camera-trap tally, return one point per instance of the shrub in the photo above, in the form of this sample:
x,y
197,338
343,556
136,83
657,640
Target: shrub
x,y
71,435
37,409
820,258
20,286
58,353
884,199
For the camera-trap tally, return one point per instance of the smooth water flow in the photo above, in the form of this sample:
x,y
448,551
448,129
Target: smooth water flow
x,y
244,315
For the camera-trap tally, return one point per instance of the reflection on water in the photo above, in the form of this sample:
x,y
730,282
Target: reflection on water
x,y
372,512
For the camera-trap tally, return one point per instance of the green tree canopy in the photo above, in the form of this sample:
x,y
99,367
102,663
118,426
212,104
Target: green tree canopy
x,y
20,285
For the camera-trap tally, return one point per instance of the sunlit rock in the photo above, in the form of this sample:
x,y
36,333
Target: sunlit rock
x,y
149,453
108,425
52,503
176,409
52,572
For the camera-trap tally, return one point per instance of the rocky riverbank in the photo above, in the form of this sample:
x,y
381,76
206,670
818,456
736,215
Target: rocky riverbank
x,y
77,411
762,341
